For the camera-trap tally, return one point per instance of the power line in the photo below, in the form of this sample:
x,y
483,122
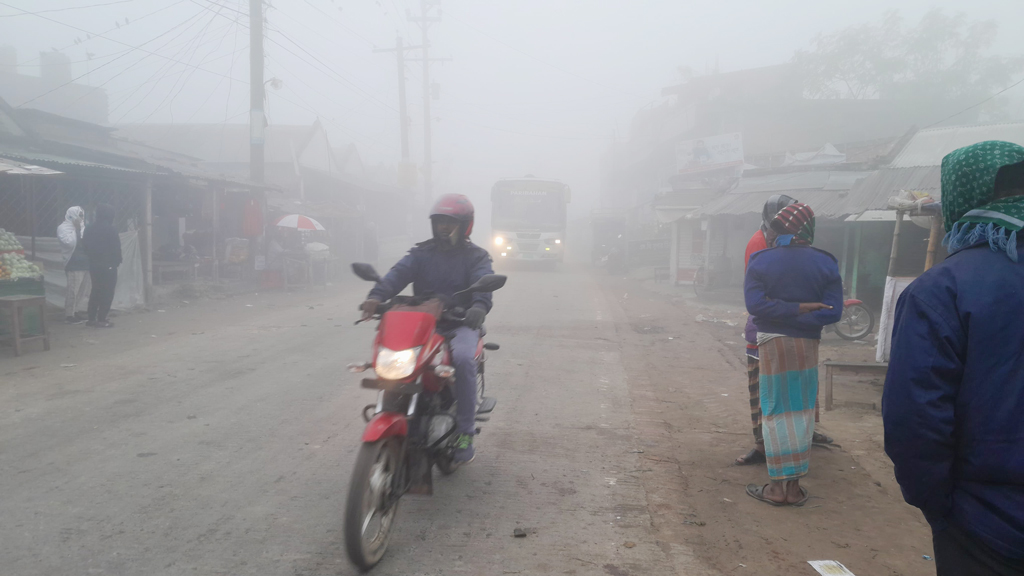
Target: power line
x,y
231,68
195,49
119,52
323,66
134,48
91,36
180,74
160,71
66,9
972,107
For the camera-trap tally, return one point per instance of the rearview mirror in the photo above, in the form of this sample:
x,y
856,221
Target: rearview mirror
x,y
486,283
365,271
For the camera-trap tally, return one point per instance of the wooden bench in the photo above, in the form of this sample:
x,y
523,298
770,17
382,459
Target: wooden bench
x,y
15,305
854,368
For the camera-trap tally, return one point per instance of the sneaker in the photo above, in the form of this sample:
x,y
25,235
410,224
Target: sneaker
x,y
72,320
90,323
464,453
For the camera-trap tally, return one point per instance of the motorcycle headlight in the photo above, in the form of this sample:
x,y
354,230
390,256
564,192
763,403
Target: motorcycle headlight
x,y
396,364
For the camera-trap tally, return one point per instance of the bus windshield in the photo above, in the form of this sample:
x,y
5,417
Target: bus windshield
x,y
541,210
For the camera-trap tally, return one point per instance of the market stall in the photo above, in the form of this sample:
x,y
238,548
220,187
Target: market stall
x,y
22,295
299,251
22,290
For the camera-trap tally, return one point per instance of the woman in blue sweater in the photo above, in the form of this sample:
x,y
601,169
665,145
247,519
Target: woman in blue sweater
x,y
792,291
953,405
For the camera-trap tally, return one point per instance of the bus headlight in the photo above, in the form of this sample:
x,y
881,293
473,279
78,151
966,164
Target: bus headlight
x,y
498,241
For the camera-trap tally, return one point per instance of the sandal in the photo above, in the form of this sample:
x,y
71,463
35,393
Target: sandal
x,y
755,456
756,492
821,439
802,501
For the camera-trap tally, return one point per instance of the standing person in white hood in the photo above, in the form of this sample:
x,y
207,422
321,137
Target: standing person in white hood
x,y
76,263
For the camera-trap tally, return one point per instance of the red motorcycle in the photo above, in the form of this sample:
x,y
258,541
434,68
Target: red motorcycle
x,y
411,428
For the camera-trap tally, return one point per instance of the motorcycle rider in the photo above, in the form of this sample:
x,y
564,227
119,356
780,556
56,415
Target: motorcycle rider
x,y
445,264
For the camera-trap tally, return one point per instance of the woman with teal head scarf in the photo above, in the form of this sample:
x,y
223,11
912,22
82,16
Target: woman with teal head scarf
x,y
981,196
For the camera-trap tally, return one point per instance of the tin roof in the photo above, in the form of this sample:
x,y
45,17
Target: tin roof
x,y
880,186
21,168
829,193
929,146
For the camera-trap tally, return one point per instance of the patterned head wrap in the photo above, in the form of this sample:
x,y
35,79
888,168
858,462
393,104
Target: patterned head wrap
x,y
795,225
970,212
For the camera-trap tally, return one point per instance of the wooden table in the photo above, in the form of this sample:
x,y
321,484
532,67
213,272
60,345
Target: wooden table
x,y
161,266
854,368
15,305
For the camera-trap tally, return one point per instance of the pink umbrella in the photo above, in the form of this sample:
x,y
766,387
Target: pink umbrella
x,y
299,222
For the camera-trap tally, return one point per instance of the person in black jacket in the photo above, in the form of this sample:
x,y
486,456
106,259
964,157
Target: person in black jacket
x,y
103,245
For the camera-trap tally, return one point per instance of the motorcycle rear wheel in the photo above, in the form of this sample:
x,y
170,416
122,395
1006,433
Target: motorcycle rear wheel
x,y
856,322
372,504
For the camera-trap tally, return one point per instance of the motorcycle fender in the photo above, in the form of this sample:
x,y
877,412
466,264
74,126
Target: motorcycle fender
x,y
385,425
851,302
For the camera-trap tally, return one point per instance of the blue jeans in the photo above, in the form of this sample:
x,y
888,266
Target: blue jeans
x,y
463,342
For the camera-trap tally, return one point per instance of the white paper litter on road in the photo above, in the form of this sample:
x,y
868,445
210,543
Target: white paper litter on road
x,y
830,568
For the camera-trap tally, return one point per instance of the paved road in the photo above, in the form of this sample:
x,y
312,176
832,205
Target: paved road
x,y
217,438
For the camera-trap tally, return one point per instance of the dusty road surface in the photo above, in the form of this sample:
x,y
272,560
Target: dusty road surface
x,y
217,437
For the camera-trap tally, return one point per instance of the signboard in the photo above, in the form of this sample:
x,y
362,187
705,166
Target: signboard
x,y
710,153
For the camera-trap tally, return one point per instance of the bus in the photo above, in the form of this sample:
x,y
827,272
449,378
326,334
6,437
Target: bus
x,y
528,219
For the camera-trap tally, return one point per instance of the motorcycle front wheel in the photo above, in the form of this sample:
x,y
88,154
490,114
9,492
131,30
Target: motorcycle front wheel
x,y
856,323
372,502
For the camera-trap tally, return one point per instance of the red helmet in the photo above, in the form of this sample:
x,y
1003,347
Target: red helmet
x,y
455,206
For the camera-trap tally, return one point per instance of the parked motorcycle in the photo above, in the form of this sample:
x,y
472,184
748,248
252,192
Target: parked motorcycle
x,y
411,428
857,321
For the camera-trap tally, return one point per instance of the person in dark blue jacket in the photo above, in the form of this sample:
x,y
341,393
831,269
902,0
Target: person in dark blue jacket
x,y
792,291
953,405
444,265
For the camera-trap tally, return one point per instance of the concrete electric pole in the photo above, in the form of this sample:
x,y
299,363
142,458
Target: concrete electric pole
x,y
425,20
403,111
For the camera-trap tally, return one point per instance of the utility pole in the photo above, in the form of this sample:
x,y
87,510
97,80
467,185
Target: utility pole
x,y
256,91
403,111
424,20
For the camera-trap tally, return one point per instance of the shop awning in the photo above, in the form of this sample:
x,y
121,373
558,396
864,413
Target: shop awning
x,y
21,168
667,214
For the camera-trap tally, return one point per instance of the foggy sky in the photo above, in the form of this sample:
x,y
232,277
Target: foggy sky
x,y
535,86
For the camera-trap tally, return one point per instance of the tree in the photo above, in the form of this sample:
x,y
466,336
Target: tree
x,y
942,58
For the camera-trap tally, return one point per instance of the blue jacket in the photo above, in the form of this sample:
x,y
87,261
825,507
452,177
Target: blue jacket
x,y
779,279
953,405
431,270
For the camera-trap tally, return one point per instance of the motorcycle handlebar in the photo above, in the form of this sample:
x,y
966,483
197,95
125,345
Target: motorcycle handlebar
x,y
456,314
